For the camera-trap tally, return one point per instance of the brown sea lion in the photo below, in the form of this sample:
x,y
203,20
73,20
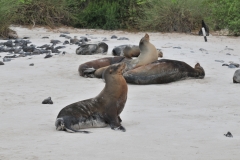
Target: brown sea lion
x,y
130,51
163,71
100,111
134,51
148,54
87,69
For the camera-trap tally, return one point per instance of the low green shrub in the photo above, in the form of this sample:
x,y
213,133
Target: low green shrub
x,y
172,15
224,14
41,12
99,14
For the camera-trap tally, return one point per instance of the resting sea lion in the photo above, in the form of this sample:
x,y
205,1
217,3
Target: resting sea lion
x,y
148,54
87,69
236,76
163,71
130,51
101,110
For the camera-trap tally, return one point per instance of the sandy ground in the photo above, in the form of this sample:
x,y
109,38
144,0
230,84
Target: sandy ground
x,y
183,120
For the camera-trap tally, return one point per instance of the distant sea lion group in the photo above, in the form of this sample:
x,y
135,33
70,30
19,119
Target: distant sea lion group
x,y
146,68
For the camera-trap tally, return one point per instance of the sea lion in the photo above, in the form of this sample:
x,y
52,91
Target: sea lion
x,y
100,111
236,76
163,71
90,49
130,51
87,69
148,54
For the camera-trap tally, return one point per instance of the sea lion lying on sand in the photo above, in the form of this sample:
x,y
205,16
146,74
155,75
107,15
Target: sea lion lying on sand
x,y
163,71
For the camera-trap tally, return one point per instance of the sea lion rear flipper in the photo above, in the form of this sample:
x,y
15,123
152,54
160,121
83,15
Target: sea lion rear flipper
x,y
70,130
89,72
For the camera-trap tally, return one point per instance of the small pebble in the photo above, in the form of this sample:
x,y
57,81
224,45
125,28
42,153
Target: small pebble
x,y
31,64
219,61
229,134
47,101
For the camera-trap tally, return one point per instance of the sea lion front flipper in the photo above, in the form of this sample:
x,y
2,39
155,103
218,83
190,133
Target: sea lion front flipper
x,y
120,120
115,124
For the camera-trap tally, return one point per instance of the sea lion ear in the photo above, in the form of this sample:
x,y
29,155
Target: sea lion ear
x,y
197,65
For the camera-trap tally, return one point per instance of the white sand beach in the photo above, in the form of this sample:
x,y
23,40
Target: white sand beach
x,y
183,120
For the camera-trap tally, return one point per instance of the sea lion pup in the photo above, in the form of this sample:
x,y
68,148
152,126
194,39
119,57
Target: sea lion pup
x,y
87,69
100,111
163,71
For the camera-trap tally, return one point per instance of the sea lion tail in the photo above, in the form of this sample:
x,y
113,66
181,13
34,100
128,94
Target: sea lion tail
x,y
200,71
61,126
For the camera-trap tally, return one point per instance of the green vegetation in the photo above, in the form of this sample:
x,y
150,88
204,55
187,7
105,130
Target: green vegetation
x,y
172,15
224,14
152,15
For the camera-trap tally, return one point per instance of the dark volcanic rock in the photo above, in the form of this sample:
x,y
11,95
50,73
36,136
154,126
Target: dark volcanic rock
x,y
229,134
122,38
1,63
114,37
47,101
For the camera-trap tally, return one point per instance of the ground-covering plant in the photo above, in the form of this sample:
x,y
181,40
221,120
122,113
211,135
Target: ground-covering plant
x,y
224,14
7,8
147,15
172,15
41,12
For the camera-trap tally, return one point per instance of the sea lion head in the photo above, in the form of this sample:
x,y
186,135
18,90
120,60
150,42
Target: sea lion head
x,y
144,39
200,70
116,69
59,124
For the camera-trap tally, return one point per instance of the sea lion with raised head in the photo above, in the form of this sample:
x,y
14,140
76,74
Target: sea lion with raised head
x,y
148,54
163,71
100,111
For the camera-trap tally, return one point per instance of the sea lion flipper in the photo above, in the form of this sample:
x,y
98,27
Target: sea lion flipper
x,y
89,72
70,130
120,120
114,123
121,128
